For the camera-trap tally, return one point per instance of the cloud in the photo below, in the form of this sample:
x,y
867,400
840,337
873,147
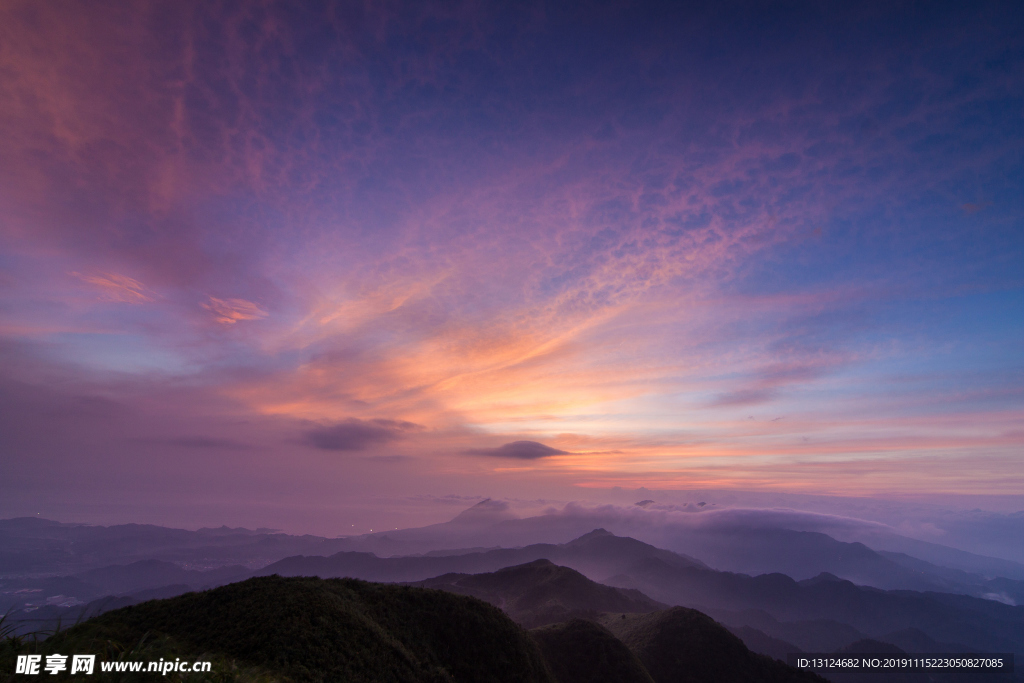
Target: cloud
x,y
230,311
767,383
520,450
357,435
117,287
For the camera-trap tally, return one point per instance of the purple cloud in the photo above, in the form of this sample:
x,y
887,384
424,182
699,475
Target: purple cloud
x,y
519,450
357,435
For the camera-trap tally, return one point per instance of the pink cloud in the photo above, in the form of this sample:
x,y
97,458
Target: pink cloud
x,y
231,311
116,287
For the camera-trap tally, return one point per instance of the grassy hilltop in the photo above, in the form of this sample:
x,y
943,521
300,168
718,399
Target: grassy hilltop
x,y
308,629
302,629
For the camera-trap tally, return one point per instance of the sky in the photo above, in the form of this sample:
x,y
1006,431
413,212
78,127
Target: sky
x,y
330,265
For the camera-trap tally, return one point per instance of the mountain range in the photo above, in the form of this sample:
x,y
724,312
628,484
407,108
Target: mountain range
x,y
542,584
37,548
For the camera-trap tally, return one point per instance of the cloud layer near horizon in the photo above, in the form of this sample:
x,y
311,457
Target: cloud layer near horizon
x,y
738,246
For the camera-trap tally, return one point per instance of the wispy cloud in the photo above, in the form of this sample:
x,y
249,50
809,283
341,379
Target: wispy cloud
x,y
114,287
231,311
357,435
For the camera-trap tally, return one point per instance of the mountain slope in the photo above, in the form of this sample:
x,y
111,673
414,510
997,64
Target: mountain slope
x,y
980,624
951,580
818,635
682,645
846,611
541,592
581,651
33,546
762,643
805,554
308,629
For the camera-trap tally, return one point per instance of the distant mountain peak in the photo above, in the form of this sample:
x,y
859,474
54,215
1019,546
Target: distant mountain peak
x,y
824,577
486,511
529,565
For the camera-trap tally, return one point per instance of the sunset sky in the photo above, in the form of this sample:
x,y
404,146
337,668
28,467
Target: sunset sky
x,y
311,265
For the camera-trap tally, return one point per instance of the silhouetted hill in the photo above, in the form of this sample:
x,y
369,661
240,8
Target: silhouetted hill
x,y
819,614
951,580
870,645
32,546
600,554
805,554
916,640
799,554
541,592
762,643
941,555
754,544
582,651
682,645
981,624
816,635
597,554
308,629
611,550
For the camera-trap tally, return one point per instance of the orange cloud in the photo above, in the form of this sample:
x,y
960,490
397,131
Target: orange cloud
x,y
117,287
230,311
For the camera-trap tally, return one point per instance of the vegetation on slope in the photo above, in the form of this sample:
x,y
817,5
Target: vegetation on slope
x,y
681,645
308,629
581,651
540,592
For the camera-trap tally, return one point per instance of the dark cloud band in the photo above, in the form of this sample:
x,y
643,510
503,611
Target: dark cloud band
x,y
357,435
519,450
